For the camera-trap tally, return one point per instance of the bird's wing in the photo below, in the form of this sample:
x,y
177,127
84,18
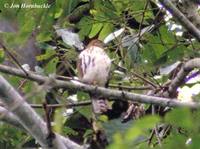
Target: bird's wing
x,y
79,67
83,62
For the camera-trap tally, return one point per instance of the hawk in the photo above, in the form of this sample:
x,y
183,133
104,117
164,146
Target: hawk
x,y
93,68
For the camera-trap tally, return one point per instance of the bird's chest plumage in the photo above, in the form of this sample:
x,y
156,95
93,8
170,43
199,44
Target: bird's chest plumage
x,y
95,66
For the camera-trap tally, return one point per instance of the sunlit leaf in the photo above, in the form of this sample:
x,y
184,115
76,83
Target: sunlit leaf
x,y
95,29
106,30
59,120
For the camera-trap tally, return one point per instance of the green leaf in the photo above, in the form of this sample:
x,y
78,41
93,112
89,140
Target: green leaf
x,y
28,87
11,137
82,96
149,53
49,53
120,5
58,13
85,26
59,120
71,4
95,29
103,118
176,53
14,81
158,48
104,11
118,142
179,117
88,132
115,126
69,131
106,30
51,66
86,111
167,37
44,36
2,55
140,126
154,51
175,141
133,133
133,54
137,7
147,122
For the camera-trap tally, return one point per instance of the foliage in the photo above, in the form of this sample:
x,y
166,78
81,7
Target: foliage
x,y
11,137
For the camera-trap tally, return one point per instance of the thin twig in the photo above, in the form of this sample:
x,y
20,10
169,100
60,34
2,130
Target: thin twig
x,y
157,136
145,80
22,83
70,105
137,75
143,14
129,87
66,78
51,135
13,58
151,137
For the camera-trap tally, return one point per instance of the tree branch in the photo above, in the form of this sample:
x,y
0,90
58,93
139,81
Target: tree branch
x,y
181,18
180,78
9,118
70,105
190,9
122,87
29,119
107,93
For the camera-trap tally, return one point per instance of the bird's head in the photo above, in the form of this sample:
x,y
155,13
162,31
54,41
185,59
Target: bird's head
x,y
97,43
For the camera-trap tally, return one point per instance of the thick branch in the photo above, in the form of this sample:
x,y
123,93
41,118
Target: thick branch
x,y
9,118
180,78
190,9
108,93
181,18
28,118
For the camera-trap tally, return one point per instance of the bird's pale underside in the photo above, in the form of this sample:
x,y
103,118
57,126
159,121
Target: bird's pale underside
x,y
93,68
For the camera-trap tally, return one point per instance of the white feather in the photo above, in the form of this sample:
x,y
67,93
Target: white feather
x,y
70,38
26,67
113,35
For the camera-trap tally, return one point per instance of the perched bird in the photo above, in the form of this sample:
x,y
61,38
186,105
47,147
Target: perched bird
x,y
93,68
